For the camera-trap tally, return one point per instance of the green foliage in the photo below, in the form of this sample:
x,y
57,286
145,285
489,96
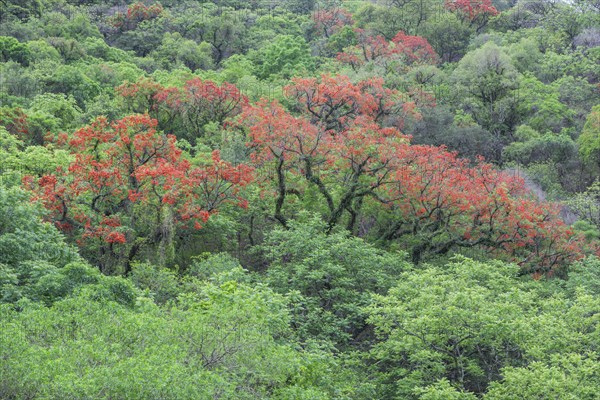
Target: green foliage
x,y
142,40
23,235
443,390
287,56
458,131
22,9
542,105
299,6
10,151
408,16
548,179
12,50
448,36
224,28
448,323
525,55
236,67
579,95
58,106
20,160
71,80
272,25
587,204
35,261
42,51
96,47
50,284
585,275
330,278
176,51
590,231
474,324
74,25
218,341
161,283
487,78
589,141
219,267
340,40
18,84
569,377
111,74
557,64
550,147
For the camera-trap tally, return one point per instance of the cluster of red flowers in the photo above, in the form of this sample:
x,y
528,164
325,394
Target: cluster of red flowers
x,y
126,169
339,140
335,142
331,20
408,50
195,104
136,13
476,13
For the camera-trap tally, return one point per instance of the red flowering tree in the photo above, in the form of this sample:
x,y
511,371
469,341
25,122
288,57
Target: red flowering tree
x,y
414,49
336,145
334,102
129,187
329,21
334,154
136,13
140,97
15,121
476,13
205,101
406,49
438,202
342,166
369,48
187,110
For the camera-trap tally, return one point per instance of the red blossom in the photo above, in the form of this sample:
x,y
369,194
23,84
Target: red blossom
x,y
127,169
476,12
329,21
409,50
115,237
337,144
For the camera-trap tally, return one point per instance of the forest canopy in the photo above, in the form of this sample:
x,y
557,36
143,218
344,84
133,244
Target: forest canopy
x,y
302,199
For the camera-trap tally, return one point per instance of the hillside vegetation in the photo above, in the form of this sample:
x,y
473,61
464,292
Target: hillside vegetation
x,y
300,199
